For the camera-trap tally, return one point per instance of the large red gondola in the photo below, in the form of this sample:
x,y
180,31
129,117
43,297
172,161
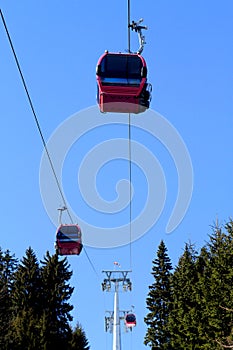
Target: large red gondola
x,y
130,320
122,83
68,240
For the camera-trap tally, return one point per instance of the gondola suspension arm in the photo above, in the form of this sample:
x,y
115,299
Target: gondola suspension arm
x,y
135,26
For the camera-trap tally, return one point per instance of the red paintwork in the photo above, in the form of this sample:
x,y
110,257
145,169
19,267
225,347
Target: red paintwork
x,y
122,99
69,249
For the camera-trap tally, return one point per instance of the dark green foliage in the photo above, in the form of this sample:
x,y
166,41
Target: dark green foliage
x,y
159,302
78,340
8,265
56,309
26,300
220,282
200,313
183,319
34,304
26,289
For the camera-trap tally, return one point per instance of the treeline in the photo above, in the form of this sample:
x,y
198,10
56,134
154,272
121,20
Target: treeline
x,y
35,312
191,306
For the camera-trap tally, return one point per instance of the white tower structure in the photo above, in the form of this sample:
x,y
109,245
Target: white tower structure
x,y
119,279
116,321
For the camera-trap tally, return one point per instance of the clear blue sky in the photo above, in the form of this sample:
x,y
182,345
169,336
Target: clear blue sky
x,y
189,55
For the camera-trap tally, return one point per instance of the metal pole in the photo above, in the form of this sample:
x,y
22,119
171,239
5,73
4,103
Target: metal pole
x,y
118,278
116,345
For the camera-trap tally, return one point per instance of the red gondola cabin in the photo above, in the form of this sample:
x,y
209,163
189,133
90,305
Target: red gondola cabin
x,y
69,240
130,320
122,83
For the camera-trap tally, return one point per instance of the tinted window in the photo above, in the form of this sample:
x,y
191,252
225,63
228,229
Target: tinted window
x,y
66,233
121,66
130,318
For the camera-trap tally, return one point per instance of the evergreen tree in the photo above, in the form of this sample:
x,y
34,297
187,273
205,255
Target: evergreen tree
x,y
159,302
219,296
8,264
56,332
200,314
26,304
34,307
201,296
79,340
183,319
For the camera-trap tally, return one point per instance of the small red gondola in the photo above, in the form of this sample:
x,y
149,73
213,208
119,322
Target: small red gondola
x,y
130,320
122,83
68,240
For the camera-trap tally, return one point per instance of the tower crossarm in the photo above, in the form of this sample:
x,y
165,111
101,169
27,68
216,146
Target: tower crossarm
x,y
116,276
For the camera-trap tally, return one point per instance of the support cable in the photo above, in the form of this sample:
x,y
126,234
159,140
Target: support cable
x,y
130,193
130,162
40,130
91,263
130,154
34,113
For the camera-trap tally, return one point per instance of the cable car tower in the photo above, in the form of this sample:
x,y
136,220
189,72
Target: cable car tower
x,y
118,279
